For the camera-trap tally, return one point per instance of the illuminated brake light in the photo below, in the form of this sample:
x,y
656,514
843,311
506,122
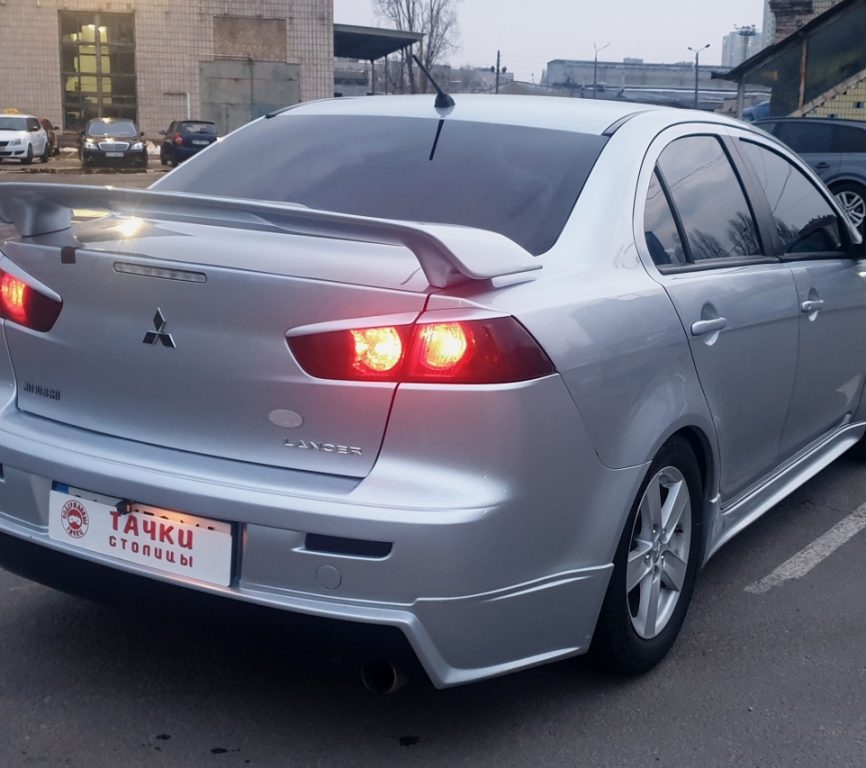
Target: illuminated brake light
x,y
377,350
491,351
14,293
22,304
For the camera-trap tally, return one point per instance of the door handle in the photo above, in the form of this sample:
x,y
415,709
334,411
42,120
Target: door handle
x,y
812,305
822,165
702,327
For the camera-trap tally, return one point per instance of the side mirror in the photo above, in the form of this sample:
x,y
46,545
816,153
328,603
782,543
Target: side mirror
x,y
141,134
163,133
54,128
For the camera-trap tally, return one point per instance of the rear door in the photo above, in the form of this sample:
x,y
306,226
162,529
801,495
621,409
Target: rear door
x,y
737,304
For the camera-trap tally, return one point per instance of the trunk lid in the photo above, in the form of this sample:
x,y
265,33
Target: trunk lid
x,y
175,336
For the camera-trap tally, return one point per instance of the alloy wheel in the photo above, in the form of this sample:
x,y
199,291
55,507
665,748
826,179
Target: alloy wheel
x,y
659,552
854,206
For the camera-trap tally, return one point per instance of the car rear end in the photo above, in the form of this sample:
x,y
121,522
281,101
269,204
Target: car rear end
x,y
307,410
190,137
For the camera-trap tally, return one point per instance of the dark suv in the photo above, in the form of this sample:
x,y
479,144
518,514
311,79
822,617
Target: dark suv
x,y
184,138
836,149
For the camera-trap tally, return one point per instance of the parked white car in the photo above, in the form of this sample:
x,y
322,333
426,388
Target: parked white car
x,y
23,138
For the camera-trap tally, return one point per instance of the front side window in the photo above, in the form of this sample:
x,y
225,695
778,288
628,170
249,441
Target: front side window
x,y
804,219
704,189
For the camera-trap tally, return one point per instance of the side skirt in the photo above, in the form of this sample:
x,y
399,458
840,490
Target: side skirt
x,y
728,520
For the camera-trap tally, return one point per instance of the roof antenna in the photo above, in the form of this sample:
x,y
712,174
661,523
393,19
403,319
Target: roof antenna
x,y
443,100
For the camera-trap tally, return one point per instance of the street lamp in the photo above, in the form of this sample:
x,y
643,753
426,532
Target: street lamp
x,y
595,68
697,52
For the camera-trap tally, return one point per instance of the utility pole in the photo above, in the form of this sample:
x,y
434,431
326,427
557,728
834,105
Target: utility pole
x,y
498,61
697,52
595,69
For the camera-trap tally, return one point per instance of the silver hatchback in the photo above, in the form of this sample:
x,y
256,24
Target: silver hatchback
x,y
501,375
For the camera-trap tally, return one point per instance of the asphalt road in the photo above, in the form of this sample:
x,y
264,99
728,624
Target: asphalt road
x,y
773,678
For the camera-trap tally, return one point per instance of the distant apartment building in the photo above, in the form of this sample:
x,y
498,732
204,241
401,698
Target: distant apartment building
x,y
157,60
739,44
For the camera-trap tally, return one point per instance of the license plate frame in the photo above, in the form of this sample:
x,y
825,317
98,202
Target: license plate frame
x,y
170,542
114,154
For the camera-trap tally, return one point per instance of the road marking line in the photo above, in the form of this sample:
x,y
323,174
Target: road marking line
x,y
807,558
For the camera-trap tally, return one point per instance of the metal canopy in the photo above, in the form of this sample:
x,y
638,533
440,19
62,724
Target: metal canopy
x,y
371,43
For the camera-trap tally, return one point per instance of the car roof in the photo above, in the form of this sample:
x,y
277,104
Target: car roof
x,y
558,113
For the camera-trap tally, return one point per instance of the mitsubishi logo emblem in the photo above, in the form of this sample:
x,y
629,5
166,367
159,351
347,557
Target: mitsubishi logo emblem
x,y
151,337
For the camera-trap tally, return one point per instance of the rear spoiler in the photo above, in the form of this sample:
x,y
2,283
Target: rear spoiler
x,y
447,254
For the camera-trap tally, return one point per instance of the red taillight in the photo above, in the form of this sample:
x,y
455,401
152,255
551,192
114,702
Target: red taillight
x,y
13,293
21,304
177,139
465,352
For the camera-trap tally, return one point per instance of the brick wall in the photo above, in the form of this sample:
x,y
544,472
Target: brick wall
x,y
172,38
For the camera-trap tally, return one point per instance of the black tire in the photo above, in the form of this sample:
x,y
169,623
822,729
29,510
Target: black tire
x,y
173,162
46,153
29,158
162,158
852,199
617,644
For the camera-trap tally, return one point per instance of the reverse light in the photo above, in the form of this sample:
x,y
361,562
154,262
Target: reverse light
x,y
491,351
377,350
22,304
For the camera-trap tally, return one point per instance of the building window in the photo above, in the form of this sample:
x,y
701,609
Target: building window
x,y
97,55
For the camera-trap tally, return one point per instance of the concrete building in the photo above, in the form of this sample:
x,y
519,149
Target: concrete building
x,y
160,60
636,80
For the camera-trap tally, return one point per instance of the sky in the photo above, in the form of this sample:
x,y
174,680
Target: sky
x,y
532,32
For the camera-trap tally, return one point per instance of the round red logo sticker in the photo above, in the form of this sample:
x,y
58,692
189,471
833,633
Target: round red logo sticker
x,y
73,515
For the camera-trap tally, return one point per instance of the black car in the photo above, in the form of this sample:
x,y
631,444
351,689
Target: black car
x,y
112,141
184,138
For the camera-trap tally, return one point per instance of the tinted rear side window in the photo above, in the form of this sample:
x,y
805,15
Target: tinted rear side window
x,y
518,181
846,138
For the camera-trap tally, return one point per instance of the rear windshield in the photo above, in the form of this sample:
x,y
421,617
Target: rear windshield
x,y
13,123
198,127
518,181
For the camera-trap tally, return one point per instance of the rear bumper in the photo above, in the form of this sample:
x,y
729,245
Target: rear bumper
x,y
489,571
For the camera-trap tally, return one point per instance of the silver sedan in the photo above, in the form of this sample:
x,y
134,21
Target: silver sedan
x,y
501,375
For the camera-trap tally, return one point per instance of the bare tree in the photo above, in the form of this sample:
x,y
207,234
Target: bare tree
x,y
436,19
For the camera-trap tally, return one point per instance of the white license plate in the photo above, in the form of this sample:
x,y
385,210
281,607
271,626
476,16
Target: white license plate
x,y
114,154
200,141
173,542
